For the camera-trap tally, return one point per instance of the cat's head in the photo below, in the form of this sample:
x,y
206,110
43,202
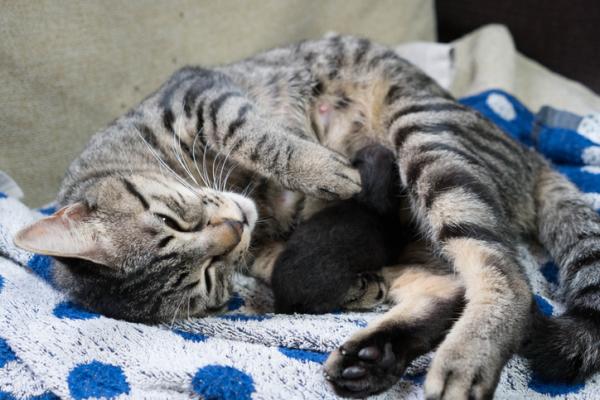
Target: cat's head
x,y
146,249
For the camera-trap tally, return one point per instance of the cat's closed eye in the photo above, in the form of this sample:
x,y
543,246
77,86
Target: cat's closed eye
x,y
170,222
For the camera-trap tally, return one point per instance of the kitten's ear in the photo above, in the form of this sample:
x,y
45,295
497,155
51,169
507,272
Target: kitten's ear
x,y
67,233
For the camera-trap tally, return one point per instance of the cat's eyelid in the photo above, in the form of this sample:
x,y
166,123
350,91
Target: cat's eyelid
x,y
170,222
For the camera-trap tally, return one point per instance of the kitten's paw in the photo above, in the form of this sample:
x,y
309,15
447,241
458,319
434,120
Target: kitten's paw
x,y
322,173
466,372
365,367
368,291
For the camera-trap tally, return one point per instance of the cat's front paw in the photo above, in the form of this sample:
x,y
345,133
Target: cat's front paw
x,y
322,173
469,371
364,367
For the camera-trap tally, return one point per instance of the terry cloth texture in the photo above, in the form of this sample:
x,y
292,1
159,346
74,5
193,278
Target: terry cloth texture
x,y
50,348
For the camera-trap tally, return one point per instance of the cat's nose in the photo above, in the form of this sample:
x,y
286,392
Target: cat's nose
x,y
237,226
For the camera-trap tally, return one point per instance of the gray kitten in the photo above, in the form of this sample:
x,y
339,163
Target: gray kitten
x,y
136,240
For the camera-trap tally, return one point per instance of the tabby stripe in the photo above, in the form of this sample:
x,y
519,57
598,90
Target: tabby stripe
x,y
477,143
402,133
393,94
164,257
237,123
469,231
416,167
181,278
337,58
576,246
207,280
417,108
255,152
274,161
175,83
200,122
504,139
168,119
470,158
237,145
165,241
289,151
387,55
97,175
364,45
587,290
147,134
585,261
216,105
342,103
133,191
584,312
318,88
194,91
454,179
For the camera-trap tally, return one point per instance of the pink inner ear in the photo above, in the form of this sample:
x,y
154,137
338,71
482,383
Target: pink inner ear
x,y
65,233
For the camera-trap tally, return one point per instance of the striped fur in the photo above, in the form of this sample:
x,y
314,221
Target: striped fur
x,y
288,120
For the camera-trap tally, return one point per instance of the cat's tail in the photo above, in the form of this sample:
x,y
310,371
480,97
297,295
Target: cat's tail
x,y
567,347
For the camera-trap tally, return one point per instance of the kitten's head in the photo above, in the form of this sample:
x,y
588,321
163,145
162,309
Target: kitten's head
x,y
146,249
381,186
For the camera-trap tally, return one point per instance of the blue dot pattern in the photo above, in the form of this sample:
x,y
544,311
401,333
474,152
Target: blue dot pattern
x,y
2,195
69,310
235,303
48,210
1,283
550,272
545,307
43,396
6,353
217,382
304,355
244,317
42,266
194,337
97,379
553,389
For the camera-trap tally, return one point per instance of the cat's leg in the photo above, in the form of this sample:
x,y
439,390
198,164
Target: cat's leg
x,y
210,105
374,358
458,209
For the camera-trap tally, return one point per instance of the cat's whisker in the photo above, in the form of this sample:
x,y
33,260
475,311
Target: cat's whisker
x,y
201,175
162,163
224,181
188,307
177,150
176,312
228,175
204,169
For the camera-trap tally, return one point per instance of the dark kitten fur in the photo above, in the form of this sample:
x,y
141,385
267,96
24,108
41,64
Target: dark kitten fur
x,y
330,260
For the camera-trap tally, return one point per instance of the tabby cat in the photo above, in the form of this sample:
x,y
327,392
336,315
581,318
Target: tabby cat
x,y
135,240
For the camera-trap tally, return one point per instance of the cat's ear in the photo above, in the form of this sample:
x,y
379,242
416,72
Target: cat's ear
x,y
70,232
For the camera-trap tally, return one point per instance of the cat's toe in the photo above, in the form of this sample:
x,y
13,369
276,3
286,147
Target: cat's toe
x,y
461,375
363,369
